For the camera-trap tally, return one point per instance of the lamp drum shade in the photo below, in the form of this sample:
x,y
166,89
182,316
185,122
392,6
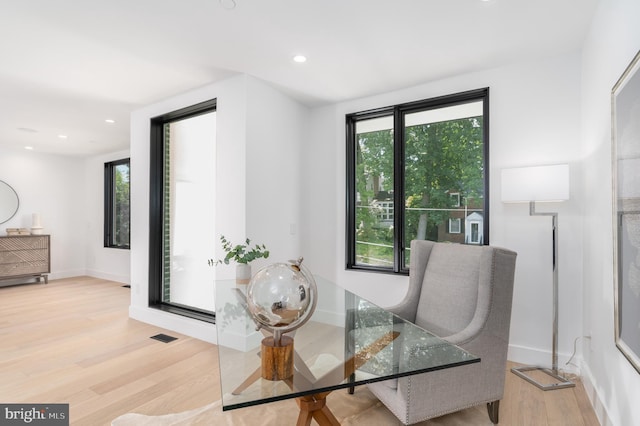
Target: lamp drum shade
x,y
538,183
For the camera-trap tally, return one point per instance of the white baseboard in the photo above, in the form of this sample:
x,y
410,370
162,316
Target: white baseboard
x,y
542,358
111,277
595,398
188,326
59,275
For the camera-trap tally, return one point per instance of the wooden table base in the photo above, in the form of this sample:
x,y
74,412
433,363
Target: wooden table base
x,y
315,407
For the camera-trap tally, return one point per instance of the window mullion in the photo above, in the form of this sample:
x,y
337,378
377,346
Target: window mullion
x,y
398,189
351,193
485,136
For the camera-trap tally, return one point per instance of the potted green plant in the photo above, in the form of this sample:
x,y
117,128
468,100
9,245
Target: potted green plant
x,y
243,255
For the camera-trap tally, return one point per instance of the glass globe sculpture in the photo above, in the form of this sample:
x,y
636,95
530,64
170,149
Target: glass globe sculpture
x,y
281,297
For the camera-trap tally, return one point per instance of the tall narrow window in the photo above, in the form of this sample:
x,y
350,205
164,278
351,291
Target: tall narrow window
x,y
116,204
426,162
182,211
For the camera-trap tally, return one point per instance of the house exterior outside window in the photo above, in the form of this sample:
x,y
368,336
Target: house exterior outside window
x,y
474,229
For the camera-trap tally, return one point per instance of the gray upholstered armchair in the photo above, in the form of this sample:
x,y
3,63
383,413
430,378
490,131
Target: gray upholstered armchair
x,y
463,294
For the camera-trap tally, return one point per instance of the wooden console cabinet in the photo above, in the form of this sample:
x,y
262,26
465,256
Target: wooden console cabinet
x,y
25,256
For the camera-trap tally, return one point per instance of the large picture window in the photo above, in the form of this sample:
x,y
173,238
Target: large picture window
x,y
413,170
116,204
182,211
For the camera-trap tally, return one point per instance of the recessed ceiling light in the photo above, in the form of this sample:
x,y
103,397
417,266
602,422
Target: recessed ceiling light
x,y
109,120
30,148
300,59
62,136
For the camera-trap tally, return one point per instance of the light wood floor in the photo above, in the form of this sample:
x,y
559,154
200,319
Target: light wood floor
x,y
71,341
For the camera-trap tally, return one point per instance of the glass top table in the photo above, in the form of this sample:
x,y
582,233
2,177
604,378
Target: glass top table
x,y
348,341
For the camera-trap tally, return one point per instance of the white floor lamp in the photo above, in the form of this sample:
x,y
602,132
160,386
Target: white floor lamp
x,y
549,184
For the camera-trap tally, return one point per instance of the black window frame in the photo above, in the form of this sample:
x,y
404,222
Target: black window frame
x,y
109,203
156,210
398,112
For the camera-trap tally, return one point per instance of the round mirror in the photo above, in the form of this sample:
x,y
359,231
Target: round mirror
x,y
8,202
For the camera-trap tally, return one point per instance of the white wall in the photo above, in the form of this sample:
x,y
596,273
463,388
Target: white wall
x,y
322,162
614,39
258,130
102,262
275,127
52,186
534,119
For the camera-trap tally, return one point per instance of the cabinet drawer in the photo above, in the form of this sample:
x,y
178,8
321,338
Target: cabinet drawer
x,y
15,269
24,243
24,256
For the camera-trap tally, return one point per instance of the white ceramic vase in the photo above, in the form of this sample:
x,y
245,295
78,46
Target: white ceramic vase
x,y
243,273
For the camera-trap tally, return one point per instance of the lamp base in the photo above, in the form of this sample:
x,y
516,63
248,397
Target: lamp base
x,y
560,384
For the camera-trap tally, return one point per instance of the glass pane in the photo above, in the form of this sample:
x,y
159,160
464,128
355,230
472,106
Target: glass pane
x,y
374,192
121,205
189,212
444,174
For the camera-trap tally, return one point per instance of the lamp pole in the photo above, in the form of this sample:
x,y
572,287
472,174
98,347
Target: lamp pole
x,y
553,372
554,236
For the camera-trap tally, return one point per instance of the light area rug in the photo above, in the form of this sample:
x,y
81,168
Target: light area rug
x,y
361,408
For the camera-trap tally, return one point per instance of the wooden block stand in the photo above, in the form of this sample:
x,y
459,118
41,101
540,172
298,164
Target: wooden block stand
x,y
277,360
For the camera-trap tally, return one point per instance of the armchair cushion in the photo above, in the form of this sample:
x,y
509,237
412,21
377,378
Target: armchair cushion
x,y
449,293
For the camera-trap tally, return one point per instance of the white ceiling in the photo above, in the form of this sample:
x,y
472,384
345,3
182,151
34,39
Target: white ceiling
x,y
67,65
